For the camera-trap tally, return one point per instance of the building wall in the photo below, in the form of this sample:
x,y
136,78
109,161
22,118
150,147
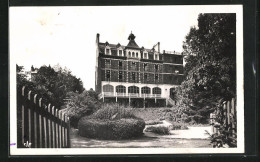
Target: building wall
x,y
163,70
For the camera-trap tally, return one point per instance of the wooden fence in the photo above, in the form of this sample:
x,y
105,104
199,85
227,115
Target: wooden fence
x,y
39,124
227,119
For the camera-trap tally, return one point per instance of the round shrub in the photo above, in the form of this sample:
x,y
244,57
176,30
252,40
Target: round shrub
x,y
123,128
163,130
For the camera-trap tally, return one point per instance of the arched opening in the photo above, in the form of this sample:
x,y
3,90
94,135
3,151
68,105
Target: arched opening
x,y
145,90
120,89
157,90
108,88
133,89
133,54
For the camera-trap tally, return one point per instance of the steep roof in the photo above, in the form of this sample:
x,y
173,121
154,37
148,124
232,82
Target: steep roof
x,y
132,44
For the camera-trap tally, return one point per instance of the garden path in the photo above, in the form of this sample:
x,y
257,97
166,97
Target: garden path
x,y
194,137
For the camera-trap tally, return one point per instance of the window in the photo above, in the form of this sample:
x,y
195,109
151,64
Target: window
x,y
156,78
108,88
156,67
120,89
156,57
120,64
133,54
133,89
136,54
145,77
133,77
145,67
133,67
120,53
129,54
157,90
120,76
145,90
145,55
107,75
108,63
107,51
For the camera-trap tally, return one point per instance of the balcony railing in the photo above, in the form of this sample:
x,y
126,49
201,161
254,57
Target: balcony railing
x,y
112,94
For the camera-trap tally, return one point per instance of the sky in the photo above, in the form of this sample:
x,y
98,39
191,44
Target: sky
x,y
66,35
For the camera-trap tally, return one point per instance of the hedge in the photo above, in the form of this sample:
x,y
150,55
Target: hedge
x,y
123,128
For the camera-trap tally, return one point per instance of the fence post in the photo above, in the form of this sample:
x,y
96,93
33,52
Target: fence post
x,y
45,127
35,122
49,126
233,112
68,133
53,127
228,112
57,128
60,122
225,113
40,123
63,131
23,117
29,118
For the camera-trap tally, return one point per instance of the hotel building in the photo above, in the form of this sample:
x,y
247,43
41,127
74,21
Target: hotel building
x,y
137,76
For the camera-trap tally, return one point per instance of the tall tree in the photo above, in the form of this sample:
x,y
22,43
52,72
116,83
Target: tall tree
x,y
52,84
211,63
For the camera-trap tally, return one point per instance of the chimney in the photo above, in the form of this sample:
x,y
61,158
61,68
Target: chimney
x,y
159,47
97,38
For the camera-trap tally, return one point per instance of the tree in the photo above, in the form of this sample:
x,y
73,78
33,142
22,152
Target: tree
x,y
50,84
80,105
210,72
54,85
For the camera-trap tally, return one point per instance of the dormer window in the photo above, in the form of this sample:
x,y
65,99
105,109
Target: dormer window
x,y
120,53
145,56
156,57
107,51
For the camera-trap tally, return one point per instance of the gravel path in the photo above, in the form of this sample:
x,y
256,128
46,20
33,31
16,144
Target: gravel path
x,y
194,137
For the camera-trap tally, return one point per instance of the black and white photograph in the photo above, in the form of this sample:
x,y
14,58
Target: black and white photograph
x,y
93,80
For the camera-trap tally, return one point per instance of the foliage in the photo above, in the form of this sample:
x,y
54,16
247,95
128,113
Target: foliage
x,y
112,121
210,70
55,85
226,135
123,128
51,84
22,78
79,105
153,122
158,130
113,111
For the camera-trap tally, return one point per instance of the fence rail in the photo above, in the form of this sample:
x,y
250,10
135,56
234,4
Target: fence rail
x,y
40,125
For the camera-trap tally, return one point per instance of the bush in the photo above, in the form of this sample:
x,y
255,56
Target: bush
x,y
153,122
158,130
113,111
80,105
112,121
111,129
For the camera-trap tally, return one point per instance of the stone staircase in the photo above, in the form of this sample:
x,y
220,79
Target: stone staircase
x,y
171,102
